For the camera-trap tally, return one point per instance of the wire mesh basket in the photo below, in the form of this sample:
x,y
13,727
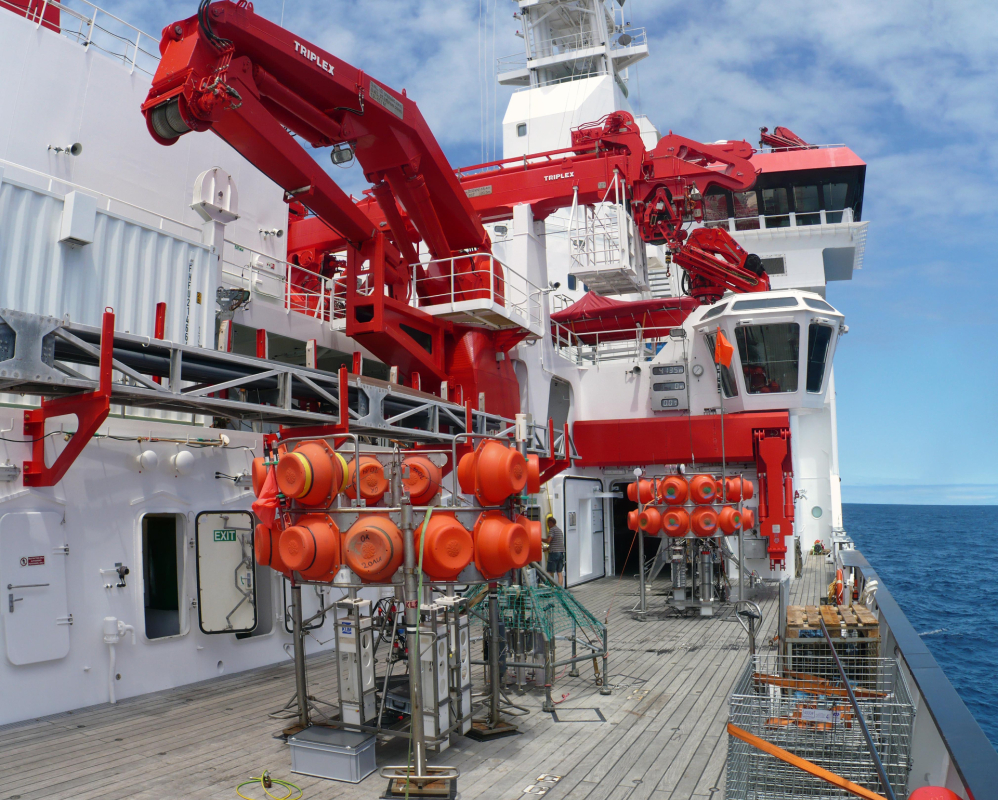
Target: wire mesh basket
x,y
809,715
550,611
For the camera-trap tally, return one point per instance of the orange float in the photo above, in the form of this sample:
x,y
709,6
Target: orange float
x,y
674,490
265,548
312,473
734,489
650,521
493,472
703,490
422,481
632,519
704,521
534,531
258,472
500,544
729,520
311,547
748,519
372,548
373,483
641,491
449,547
675,522
533,474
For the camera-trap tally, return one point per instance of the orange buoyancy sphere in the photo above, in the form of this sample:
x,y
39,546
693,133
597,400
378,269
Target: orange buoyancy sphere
x,y
632,519
650,521
501,471
310,474
641,491
703,490
535,532
373,483
423,479
674,490
258,473
372,548
533,474
737,489
675,522
748,519
312,547
266,550
704,521
449,547
500,544
729,520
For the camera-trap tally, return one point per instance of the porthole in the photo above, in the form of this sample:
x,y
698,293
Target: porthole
x,y
816,512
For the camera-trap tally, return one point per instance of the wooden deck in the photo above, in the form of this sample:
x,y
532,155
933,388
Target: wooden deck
x,y
663,736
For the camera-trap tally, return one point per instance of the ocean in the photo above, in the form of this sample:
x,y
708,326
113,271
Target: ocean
x,y
941,565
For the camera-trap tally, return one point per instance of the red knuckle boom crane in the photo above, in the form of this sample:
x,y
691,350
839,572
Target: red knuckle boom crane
x,y
258,87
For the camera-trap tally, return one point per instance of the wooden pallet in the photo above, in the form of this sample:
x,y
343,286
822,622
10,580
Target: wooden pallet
x,y
843,622
854,630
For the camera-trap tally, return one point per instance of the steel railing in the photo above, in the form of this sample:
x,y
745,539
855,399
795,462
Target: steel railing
x,y
92,26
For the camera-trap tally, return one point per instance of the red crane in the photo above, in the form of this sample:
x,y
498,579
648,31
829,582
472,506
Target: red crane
x,y
258,87
262,89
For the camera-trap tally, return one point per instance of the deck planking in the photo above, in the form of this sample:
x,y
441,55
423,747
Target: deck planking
x,y
663,739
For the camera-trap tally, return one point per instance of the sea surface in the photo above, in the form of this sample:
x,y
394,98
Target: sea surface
x,y
941,565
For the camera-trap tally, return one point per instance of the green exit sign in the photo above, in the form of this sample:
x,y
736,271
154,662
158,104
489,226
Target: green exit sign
x,y
225,536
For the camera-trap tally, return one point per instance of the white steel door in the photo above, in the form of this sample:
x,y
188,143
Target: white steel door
x,y
582,521
35,613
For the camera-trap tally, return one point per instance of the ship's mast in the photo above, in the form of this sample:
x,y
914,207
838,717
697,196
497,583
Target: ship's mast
x,y
574,70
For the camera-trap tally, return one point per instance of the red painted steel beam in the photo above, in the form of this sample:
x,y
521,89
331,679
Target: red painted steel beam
x,y
671,440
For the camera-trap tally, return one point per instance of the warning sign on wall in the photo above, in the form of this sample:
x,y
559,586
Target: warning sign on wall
x,y
32,561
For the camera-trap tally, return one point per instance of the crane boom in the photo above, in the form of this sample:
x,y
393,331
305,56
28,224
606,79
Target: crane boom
x,y
258,87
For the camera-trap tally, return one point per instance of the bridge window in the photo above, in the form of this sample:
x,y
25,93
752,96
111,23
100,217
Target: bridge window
x,y
818,338
715,209
806,205
728,382
746,211
835,200
770,356
521,129
776,207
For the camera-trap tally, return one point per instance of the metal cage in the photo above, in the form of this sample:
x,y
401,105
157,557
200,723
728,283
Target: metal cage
x,y
809,715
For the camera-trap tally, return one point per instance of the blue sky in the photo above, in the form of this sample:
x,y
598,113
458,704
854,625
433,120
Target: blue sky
x,y
908,85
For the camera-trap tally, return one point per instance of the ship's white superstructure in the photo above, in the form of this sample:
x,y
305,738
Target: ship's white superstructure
x,y
133,499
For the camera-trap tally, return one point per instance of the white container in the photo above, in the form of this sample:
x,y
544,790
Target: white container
x,y
331,753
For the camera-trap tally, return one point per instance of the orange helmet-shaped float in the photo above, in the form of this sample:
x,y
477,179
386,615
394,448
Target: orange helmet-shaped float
x,y
640,491
421,479
704,521
736,489
650,521
312,473
500,544
372,548
311,547
674,490
373,483
449,546
493,472
729,520
266,550
675,522
703,490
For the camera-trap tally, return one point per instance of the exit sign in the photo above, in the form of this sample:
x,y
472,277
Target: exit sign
x,y
225,535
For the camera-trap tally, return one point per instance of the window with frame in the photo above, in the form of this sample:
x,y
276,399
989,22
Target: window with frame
x,y
715,209
818,338
770,356
728,382
776,207
835,200
746,205
806,205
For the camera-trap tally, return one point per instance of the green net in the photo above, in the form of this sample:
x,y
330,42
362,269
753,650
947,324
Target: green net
x,y
550,610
